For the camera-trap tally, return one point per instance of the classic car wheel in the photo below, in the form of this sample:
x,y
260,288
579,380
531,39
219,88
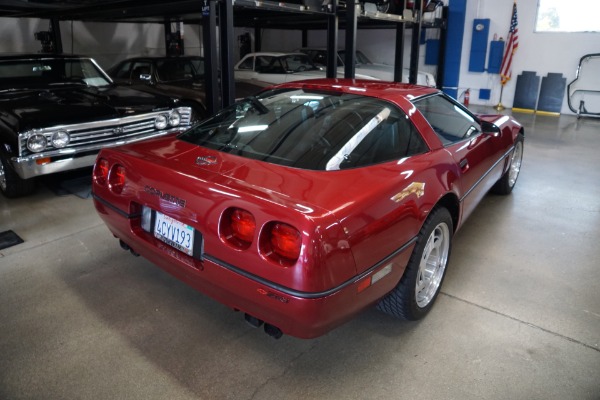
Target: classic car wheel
x,y
388,6
507,182
11,184
416,292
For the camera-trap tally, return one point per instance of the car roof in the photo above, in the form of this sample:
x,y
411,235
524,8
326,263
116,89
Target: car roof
x,y
367,87
163,58
274,53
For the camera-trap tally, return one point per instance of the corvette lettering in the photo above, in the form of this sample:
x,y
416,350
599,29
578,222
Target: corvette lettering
x,y
165,196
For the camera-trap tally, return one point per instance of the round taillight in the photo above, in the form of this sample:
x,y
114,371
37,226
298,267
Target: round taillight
x,y
116,178
286,241
243,225
100,174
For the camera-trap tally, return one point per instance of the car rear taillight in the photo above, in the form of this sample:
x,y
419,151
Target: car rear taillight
x,y
116,178
242,225
285,241
237,227
100,173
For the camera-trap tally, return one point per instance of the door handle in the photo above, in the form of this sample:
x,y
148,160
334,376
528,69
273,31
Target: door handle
x,y
463,164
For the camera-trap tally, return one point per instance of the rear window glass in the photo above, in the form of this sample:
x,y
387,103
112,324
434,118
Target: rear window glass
x,y
311,130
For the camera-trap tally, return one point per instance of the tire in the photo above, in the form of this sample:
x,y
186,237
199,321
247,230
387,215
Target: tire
x,y
508,181
420,285
385,6
11,185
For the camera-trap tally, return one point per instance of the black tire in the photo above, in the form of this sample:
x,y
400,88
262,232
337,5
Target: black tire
x,y
383,6
11,185
508,180
386,6
425,268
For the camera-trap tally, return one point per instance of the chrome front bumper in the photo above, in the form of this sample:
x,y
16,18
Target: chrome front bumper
x,y
70,159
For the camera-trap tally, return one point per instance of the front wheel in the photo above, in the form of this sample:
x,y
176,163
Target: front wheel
x,y
508,181
416,292
11,185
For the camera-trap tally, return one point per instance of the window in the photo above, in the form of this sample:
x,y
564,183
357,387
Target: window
x,y
311,130
174,69
449,120
568,16
141,68
248,63
50,71
123,71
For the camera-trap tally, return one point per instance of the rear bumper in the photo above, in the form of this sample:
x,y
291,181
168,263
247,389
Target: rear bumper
x,y
299,314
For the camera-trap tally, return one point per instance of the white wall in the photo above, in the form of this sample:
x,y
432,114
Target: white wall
x,y
539,52
108,43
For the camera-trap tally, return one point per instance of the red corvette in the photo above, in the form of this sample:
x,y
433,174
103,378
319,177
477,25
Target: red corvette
x,y
313,200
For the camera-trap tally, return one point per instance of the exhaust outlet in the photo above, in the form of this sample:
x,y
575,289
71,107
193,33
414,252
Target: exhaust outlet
x,y
126,247
273,331
253,321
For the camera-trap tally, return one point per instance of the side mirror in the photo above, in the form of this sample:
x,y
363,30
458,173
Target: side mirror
x,y
489,128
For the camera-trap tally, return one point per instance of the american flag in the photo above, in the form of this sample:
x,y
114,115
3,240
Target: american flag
x,y
511,47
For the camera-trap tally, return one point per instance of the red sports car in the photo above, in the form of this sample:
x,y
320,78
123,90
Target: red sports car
x,y
313,200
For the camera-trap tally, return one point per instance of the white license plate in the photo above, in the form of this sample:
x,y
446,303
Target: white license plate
x,y
174,233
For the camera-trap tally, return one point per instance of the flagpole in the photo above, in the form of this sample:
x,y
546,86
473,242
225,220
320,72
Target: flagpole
x,y
512,43
499,106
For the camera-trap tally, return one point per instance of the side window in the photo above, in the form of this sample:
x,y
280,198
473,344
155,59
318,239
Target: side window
x,y
123,71
247,63
319,57
393,138
449,121
140,68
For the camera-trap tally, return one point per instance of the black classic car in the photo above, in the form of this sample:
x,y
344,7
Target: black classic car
x,y
58,111
180,76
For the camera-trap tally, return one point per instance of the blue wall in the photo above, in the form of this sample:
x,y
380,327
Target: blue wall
x,y
454,35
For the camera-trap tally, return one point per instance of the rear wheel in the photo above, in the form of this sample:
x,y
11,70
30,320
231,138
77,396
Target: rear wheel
x,y
508,181
416,292
11,184
386,6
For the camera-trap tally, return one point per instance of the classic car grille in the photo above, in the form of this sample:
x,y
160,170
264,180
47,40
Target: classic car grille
x,y
97,134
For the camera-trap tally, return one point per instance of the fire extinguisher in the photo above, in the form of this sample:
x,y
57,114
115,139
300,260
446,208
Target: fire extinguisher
x,y
467,97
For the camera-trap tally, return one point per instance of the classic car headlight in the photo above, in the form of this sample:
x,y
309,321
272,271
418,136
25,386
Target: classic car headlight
x,y
161,121
60,139
174,119
37,143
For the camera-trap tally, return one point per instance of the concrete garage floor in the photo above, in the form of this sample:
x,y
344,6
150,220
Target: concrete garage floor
x,y
518,317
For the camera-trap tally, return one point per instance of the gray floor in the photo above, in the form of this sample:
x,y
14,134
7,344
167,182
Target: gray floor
x,y
518,317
